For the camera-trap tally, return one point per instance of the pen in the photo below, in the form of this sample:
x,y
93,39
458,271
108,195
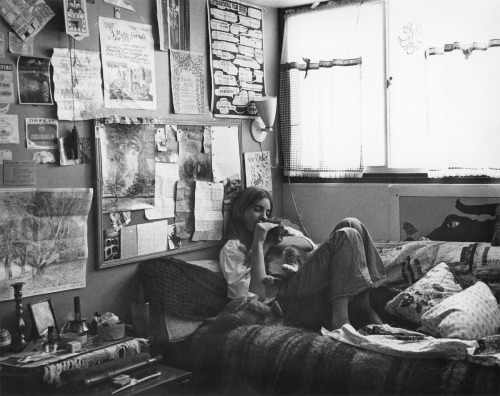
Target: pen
x,y
134,382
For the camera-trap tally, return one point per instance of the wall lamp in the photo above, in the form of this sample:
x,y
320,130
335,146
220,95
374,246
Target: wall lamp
x,y
266,108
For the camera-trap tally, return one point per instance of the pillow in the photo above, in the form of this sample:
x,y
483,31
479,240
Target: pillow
x,y
469,315
438,284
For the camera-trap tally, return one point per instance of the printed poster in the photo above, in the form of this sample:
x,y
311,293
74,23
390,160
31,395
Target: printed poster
x,y
33,83
26,17
75,15
128,166
187,82
79,97
127,50
258,170
41,133
237,57
44,235
6,84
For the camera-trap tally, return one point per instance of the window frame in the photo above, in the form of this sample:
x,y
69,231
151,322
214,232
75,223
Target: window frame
x,y
384,173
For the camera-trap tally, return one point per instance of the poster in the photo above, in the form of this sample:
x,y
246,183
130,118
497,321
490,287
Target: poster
x,y
258,170
173,24
209,221
26,17
20,47
75,15
9,130
41,133
187,82
6,84
128,166
43,239
78,97
33,75
237,57
127,50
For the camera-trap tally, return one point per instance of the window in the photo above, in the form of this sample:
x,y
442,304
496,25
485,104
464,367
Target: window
x,y
423,98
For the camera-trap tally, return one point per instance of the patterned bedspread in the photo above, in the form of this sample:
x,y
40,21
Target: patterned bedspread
x,y
285,360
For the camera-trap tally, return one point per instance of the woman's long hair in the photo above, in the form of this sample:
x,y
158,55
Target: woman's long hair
x,y
236,228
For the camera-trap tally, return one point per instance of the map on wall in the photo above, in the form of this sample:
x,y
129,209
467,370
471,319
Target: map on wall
x,y
237,57
43,239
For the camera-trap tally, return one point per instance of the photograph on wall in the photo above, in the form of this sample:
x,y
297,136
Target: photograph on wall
x,y
128,64
75,14
447,218
187,82
236,56
128,166
41,133
33,80
43,239
26,17
258,170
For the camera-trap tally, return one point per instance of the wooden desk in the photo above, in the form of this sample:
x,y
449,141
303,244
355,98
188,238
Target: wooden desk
x,y
172,381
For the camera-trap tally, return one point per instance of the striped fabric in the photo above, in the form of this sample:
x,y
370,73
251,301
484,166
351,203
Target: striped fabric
x,y
286,360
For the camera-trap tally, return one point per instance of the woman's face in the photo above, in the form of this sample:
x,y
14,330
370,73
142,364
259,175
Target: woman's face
x,y
257,213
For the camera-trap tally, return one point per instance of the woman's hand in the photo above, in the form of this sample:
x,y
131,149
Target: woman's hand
x,y
261,230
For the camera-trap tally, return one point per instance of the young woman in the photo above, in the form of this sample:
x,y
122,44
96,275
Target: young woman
x,y
335,279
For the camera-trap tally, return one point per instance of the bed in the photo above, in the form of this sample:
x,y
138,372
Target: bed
x,y
277,359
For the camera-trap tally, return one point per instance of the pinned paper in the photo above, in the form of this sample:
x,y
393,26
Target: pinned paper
x,y
75,17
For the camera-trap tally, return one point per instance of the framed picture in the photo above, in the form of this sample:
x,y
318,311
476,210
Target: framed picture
x,y
439,212
42,316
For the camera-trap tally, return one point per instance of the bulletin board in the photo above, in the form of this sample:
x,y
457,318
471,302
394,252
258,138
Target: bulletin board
x,y
121,222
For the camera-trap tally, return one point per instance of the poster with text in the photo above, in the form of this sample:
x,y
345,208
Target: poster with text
x,y
75,13
237,57
41,133
187,81
127,51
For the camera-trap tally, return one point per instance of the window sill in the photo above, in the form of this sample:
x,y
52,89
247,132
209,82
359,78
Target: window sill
x,y
400,178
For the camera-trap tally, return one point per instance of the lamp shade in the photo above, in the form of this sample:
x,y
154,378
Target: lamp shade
x,y
266,107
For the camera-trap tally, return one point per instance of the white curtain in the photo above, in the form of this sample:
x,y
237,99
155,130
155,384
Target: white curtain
x,y
463,109
320,95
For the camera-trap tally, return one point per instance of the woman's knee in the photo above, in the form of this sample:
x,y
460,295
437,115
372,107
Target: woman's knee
x,y
350,222
348,232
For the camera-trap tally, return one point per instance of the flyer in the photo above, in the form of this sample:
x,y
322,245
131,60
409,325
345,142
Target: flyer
x,y
79,97
187,82
9,130
41,133
33,76
127,50
237,57
6,84
26,17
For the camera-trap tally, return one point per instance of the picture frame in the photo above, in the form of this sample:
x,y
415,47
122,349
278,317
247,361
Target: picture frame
x,y
42,316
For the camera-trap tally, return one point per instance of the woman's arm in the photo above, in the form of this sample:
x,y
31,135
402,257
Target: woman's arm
x,y
297,241
256,260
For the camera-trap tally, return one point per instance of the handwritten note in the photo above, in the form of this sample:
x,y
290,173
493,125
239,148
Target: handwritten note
x,y
209,220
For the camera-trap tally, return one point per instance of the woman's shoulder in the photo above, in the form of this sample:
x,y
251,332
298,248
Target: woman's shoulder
x,y
233,244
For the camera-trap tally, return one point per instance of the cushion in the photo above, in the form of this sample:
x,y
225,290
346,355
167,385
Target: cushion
x,y
472,262
469,315
438,284
406,262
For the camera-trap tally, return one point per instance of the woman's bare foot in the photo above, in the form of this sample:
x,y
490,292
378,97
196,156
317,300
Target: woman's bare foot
x,y
367,312
340,312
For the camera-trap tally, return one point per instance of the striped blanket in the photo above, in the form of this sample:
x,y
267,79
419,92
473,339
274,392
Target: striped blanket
x,y
286,360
